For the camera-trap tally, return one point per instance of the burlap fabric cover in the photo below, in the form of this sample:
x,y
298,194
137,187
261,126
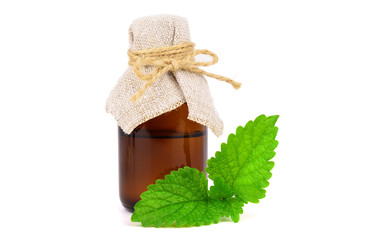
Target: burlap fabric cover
x,y
169,91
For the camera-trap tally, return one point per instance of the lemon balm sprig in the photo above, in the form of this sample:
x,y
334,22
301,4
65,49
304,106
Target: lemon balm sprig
x,y
240,172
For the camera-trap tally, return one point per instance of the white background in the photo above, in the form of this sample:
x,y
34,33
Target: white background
x,y
315,63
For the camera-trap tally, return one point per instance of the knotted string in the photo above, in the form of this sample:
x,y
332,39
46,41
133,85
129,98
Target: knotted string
x,y
171,58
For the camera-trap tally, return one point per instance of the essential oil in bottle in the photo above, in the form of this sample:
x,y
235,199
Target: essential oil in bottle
x,y
157,147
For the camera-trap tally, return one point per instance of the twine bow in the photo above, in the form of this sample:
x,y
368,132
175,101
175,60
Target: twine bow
x,y
171,58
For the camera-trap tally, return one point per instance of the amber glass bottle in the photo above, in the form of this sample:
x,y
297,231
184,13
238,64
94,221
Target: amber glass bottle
x,y
155,148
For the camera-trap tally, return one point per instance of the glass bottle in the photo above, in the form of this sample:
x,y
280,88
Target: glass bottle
x,y
157,147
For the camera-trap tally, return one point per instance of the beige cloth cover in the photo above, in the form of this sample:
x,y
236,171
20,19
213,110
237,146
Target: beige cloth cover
x,y
169,91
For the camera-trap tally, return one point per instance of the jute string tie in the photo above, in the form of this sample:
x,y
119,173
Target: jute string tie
x,y
171,58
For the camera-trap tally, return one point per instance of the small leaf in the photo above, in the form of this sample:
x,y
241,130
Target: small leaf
x,y
232,207
220,189
227,205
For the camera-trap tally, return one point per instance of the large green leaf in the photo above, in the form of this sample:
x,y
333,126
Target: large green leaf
x,y
243,163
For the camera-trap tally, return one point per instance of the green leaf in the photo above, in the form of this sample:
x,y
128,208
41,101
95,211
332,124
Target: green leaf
x,y
230,207
182,198
243,163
